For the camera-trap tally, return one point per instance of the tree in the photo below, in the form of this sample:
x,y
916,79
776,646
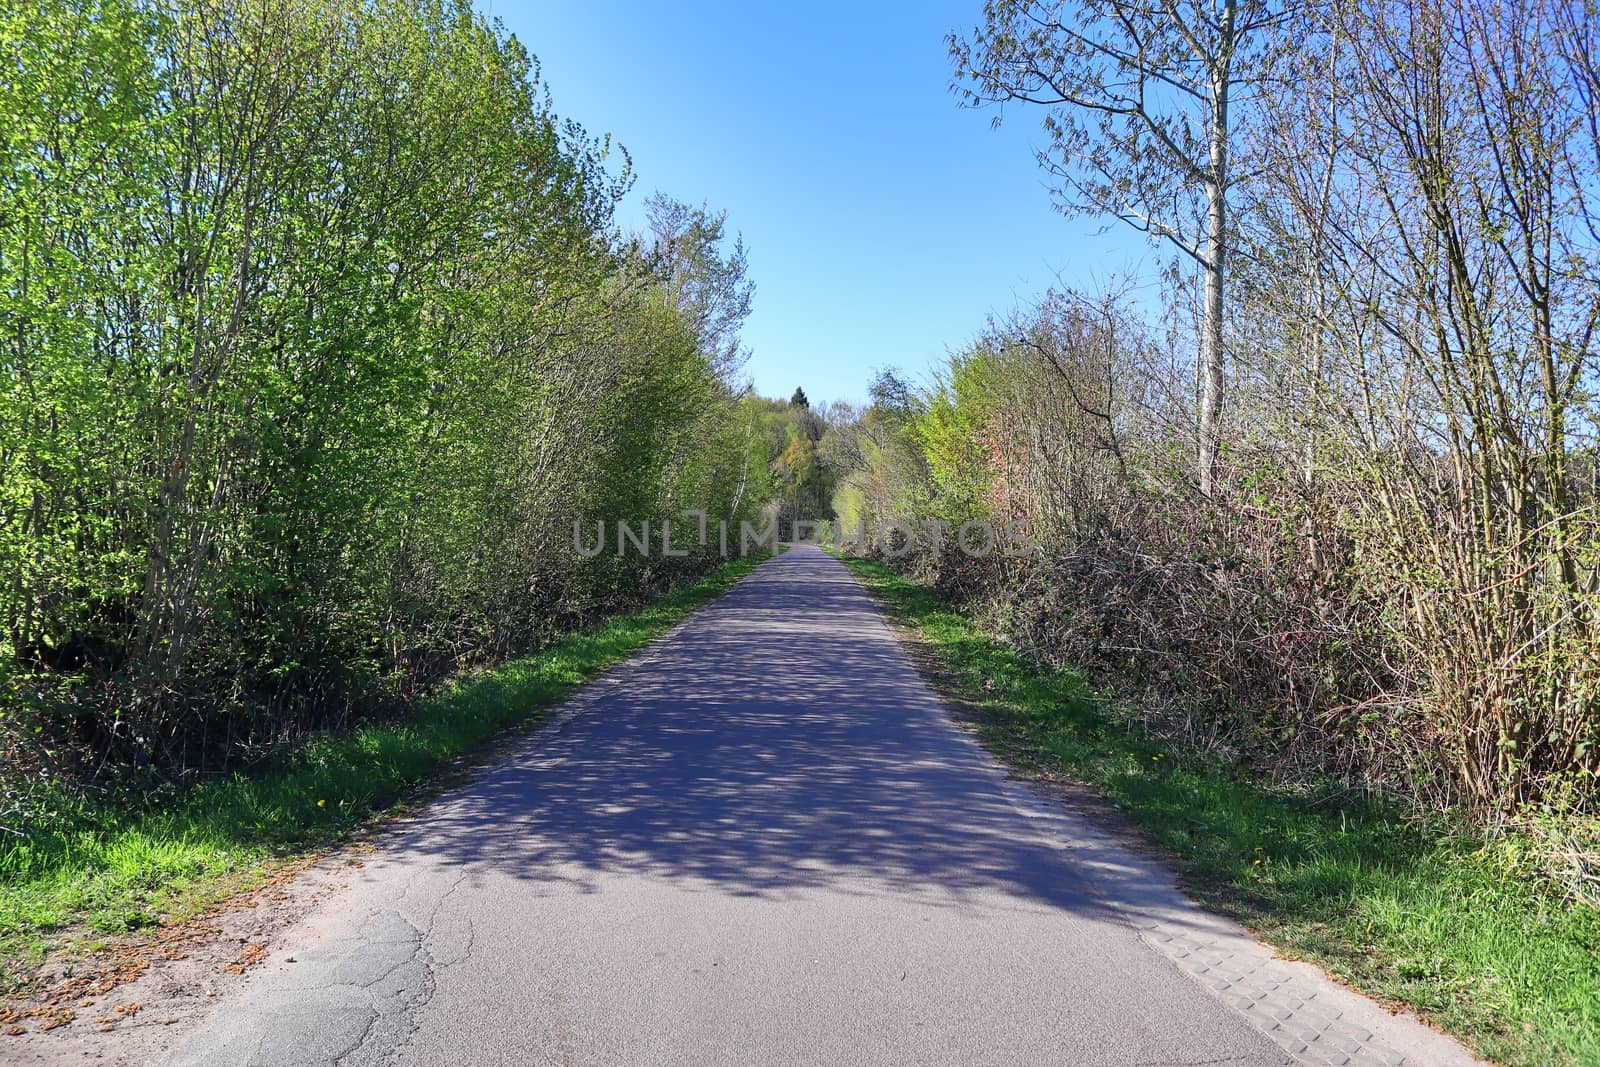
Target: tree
x,y
319,337
1138,96
798,400
709,286
873,457
1461,209
798,475
889,391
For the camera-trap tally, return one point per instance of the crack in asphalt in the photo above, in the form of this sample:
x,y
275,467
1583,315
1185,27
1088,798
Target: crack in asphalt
x,y
435,965
350,999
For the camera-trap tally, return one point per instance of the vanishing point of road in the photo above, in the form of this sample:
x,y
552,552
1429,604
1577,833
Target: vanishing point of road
x,y
763,841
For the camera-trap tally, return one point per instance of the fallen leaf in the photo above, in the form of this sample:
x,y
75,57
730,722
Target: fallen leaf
x,y
248,957
54,1017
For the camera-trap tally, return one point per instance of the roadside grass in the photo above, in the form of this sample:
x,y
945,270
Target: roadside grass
x,y
107,871
1452,923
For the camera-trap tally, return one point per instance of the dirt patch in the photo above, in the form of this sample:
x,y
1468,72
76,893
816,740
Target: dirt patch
x,y
131,1000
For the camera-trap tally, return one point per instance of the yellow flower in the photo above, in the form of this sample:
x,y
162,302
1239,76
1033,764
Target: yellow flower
x,y
322,803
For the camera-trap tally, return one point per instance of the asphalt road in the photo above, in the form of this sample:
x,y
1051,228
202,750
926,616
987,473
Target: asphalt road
x,y
762,843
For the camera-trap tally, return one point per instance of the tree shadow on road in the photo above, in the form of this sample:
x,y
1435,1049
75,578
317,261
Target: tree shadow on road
x,y
782,742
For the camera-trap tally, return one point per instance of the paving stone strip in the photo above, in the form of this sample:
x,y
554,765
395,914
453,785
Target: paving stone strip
x,y
1308,1014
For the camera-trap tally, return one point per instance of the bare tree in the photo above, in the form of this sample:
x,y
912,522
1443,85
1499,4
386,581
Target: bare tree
x,y
1443,196
1139,95
709,285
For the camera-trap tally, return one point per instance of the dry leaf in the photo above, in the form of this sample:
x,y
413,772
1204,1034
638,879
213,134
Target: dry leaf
x,y
248,957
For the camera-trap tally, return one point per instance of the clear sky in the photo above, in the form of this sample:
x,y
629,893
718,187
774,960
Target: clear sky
x,y
883,222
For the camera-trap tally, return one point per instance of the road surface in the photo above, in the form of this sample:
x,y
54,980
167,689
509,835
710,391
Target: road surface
x,y
763,842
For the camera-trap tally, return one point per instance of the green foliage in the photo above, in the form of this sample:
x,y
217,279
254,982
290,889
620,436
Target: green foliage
x,y
878,465
953,434
786,471
708,285
318,337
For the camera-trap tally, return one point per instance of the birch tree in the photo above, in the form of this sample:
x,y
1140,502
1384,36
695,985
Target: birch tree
x,y
1139,97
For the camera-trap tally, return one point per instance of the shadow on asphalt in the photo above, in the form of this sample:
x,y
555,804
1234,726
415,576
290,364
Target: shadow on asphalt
x,y
782,742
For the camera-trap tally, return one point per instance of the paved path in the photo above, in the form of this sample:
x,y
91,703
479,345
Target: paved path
x,y
763,842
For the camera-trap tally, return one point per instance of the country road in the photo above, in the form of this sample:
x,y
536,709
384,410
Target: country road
x,y
764,841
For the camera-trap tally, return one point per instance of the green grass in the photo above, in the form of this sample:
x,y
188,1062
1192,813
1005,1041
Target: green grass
x,y
107,871
1451,923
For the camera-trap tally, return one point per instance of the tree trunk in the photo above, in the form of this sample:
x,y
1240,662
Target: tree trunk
x,y
1214,260
1211,341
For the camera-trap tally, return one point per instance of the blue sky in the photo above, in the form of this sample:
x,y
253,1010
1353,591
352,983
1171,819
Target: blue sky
x,y
883,222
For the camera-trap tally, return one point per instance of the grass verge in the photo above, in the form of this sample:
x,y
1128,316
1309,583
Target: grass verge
x,y
114,871
1448,923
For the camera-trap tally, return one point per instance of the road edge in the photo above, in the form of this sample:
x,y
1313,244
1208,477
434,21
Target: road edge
x,y
1297,1005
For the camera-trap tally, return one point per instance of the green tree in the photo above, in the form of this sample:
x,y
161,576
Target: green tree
x,y
319,336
